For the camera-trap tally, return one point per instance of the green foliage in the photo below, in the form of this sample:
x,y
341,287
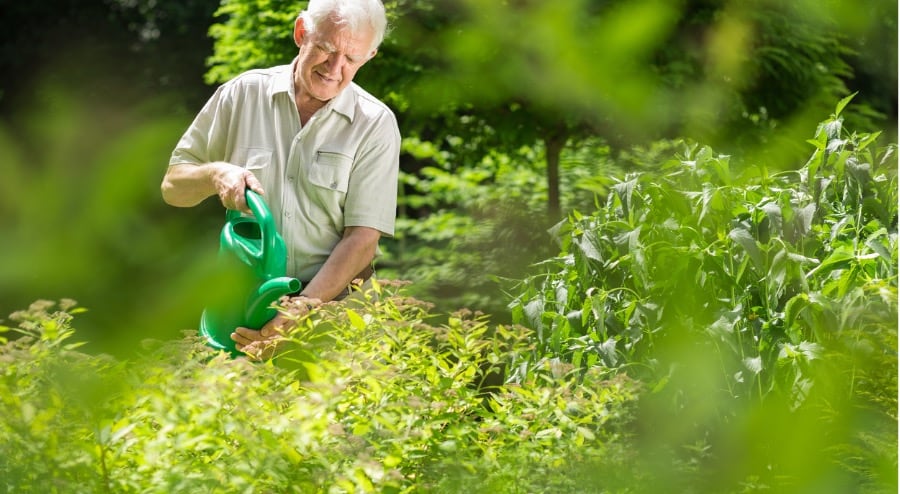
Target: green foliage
x,y
699,244
254,34
369,398
53,402
84,218
466,227
735,292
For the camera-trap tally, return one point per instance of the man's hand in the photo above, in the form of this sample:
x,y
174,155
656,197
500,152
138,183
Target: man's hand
x,y
260,344
265,343
231,183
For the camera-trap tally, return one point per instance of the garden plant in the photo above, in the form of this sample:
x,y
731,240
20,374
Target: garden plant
x,y
712,326
739,293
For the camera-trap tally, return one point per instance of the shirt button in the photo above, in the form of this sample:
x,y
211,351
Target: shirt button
x,y
333,185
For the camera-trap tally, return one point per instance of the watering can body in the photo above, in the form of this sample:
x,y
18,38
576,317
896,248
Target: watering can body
x,y
253,247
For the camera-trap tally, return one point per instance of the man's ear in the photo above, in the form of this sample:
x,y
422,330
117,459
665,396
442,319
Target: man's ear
x,y
299,31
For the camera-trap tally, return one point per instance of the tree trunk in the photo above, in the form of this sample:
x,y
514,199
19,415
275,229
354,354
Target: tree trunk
x,y
554,145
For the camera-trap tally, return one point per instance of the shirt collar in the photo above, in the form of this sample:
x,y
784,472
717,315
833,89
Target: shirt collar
x,y
344,103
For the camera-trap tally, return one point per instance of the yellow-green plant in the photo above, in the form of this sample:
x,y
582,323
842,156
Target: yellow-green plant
x,y
366,398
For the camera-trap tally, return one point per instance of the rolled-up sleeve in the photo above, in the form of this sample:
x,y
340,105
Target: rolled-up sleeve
x,y
204,140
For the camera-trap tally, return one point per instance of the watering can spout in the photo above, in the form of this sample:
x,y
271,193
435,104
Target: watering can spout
x,y
259,308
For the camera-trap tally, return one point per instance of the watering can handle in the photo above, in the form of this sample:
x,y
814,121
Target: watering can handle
x,y
268,234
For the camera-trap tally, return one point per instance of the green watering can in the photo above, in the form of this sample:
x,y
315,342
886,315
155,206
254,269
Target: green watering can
x,y
253,246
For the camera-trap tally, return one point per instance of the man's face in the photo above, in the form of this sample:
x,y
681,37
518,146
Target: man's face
x,y
329,59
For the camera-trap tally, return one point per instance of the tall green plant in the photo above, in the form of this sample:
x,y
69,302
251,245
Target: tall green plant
x,y
742,254
735,293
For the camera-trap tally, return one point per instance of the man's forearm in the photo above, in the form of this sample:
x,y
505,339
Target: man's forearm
x,y
186,185
350,256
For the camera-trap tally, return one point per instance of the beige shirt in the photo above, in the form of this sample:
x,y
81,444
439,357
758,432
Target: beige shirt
x,y
338,170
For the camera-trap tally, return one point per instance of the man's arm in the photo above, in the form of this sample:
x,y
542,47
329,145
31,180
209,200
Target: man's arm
x,y
188,184
350,256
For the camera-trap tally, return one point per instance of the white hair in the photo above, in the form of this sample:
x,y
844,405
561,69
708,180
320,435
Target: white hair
x,y
355,14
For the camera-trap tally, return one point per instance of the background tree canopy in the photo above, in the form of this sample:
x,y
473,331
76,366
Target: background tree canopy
x,y
739,75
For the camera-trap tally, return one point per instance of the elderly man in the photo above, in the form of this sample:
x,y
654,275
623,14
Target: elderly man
x,y
323,152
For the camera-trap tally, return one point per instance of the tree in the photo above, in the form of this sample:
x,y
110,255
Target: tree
x,y
110,49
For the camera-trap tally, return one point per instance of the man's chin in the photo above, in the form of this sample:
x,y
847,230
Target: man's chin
x,y
324,95
324,91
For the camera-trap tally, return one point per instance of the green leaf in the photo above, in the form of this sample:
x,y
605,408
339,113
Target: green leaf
x,y
587,246
753,364
833,129
743,238
841,255
356,320
624,191
815,162
586,433
792,310
879,248
607,350
867,139
843,103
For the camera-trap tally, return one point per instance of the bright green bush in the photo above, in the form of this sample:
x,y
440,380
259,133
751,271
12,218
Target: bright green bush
x,y
741,296
368,398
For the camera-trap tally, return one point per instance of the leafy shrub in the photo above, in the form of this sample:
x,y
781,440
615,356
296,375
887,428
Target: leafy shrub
x,y
53,405
737,294
467,228
368,398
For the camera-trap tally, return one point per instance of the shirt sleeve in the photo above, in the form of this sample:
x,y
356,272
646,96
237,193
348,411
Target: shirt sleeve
x,y
204,140
372,192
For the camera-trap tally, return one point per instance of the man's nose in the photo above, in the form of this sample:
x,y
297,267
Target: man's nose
x,y
335,63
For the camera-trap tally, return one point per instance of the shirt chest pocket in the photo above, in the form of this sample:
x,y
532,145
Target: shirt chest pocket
x,y
252,158
331,171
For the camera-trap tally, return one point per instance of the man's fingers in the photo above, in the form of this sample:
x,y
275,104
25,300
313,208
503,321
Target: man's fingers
x,y
240,198
248,181
232,182
240,340
251,182
259,350
246,336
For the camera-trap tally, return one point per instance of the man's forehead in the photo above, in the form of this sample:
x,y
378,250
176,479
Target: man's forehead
x,y
343,41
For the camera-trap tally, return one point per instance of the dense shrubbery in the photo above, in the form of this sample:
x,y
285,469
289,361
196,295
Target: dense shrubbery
x,y
369,399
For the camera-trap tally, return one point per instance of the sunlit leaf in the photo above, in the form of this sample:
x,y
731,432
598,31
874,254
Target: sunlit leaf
x,y
749,244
